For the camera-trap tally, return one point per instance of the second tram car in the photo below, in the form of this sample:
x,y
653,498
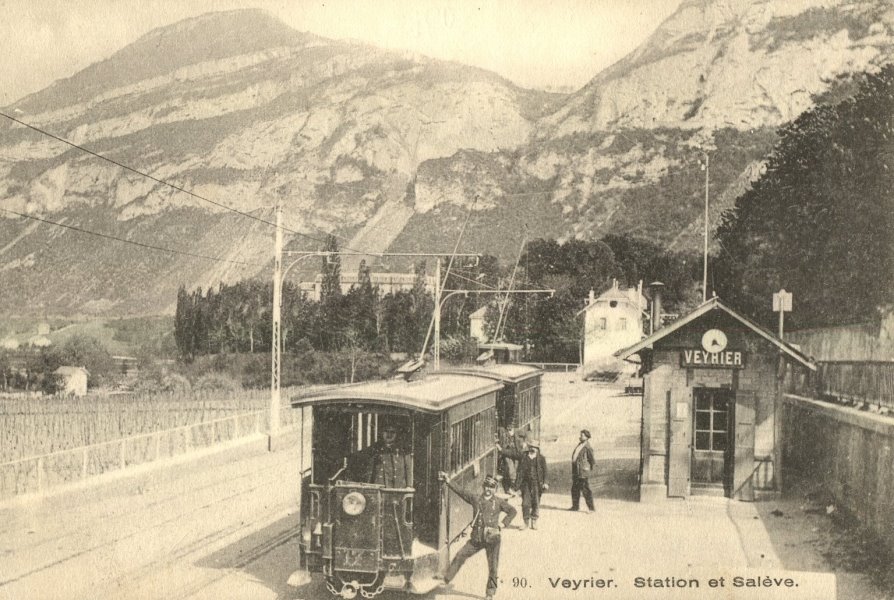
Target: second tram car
x,y
518,403
373,514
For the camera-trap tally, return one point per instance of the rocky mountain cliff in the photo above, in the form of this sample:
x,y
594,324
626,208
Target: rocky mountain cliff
x,y
390,149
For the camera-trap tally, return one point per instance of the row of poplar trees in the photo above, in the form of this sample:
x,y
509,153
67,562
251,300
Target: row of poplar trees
x,y
237,318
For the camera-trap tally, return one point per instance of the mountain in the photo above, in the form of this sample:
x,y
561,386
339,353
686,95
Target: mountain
x,y
390,150
732,63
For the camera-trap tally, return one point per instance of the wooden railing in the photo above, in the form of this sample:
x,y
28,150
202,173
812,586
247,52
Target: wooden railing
x,y
862,383
36,474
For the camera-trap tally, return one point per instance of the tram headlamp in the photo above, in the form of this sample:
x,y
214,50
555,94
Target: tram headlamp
x,y
354,503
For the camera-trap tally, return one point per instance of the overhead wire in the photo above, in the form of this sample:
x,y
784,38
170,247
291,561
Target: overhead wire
x,y
163,182
132,242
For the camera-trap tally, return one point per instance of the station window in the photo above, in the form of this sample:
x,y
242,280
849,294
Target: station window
x,y
711,422
622,324
603,323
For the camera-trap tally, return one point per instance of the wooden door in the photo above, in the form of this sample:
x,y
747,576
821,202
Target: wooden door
x,y
711,422
678,469
743,459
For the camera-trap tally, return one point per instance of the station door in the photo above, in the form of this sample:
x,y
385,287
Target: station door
x,y
712,447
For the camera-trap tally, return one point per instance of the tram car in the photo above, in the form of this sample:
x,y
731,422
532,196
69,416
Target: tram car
x,y
518,403
373,514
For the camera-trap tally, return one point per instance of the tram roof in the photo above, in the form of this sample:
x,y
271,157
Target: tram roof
x,y
432,393
511,372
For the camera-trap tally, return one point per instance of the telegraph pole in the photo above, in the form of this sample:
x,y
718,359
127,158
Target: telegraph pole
x,y
705,272
437,343
275,353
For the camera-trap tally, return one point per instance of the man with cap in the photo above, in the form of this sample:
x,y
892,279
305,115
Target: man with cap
x,y
531,482
486,527
386,462
582,463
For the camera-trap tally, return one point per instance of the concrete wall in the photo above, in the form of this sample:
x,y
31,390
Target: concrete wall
x,y
848,453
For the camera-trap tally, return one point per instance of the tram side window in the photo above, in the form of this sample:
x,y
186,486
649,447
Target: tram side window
x,y
527,405
470,438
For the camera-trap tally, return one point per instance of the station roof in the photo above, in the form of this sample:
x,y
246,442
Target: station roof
x,y
432,393
511,372
704,308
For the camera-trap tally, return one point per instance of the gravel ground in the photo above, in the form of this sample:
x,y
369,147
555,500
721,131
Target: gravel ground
x,y
809,533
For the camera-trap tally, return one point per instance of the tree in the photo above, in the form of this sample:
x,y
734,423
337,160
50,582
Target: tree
x,y
183,317
361,309
818,222
332,306
81,351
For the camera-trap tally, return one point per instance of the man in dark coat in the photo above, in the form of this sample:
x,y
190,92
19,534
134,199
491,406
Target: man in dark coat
x,y
386,462
531,482
485,530
582,463
509,465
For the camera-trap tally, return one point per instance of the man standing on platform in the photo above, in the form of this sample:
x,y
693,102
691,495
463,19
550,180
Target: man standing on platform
x,y
509,459
485,530
531,481
582,463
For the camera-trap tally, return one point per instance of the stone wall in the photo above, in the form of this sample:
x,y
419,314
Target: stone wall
x,y
845,451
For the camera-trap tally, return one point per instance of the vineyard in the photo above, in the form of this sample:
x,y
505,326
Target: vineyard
x,y
45,442
35,426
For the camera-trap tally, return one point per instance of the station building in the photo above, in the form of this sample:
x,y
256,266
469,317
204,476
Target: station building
x,y
712,398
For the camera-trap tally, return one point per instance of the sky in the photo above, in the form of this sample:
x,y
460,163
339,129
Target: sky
x,y
547,44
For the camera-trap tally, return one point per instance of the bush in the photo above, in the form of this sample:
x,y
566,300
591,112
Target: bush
x,y
216,382
459,349
155,379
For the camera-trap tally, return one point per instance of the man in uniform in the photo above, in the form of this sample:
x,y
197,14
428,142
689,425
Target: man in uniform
x,y
386,462
582,463
531,482
485,530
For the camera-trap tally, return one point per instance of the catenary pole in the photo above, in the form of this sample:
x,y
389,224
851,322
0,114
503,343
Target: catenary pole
x,y
705,271
276,350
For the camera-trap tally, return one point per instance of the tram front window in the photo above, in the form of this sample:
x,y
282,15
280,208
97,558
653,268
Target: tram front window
x,y
364,447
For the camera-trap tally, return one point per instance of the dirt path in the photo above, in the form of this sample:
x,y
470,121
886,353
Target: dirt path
x,y
810,534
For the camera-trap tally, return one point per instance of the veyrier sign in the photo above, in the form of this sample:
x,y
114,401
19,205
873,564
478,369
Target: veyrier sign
x,y
727,359
714,353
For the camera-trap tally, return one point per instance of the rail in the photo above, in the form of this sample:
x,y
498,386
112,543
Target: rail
x,y
36,474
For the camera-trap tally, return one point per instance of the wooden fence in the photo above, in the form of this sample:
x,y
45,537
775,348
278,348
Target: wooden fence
x,y
864,383
37,474
43,470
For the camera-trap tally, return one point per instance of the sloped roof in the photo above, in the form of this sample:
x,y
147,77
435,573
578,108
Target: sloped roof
x,y
704,308
511,372
432,393
500,346
626,295
480,312
68,371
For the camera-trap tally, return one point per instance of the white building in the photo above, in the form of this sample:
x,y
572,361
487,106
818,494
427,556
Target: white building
x,y
476,324
388,283
612,321
74,380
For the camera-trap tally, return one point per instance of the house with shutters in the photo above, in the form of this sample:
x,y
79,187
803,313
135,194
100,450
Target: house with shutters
x,y
611,321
